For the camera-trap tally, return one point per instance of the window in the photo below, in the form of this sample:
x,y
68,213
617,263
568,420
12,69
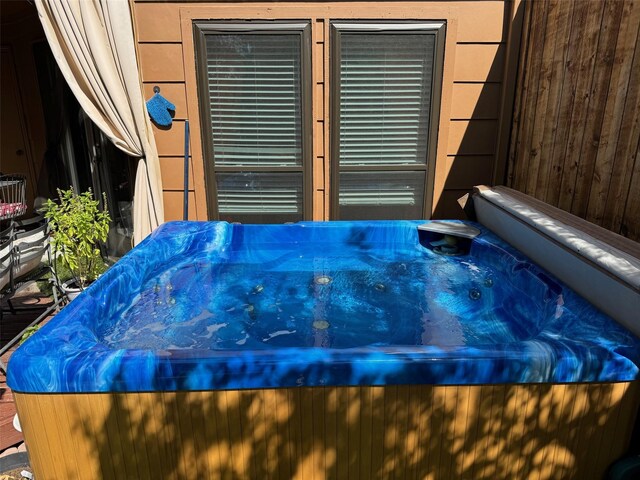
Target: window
x,y
386,89
254,80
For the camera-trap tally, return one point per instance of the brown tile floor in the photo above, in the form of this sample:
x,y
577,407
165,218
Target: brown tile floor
x,y
10,325
9,436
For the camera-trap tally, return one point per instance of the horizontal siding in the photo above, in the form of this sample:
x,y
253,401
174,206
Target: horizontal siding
x,y
481,29
472,137
159,22
465,170
173,173
475,101
479,62
173,205
448,206
418,431
170,141
161,62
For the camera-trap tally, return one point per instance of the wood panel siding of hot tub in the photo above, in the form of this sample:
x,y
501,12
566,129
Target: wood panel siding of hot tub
x,y
527,431
481,54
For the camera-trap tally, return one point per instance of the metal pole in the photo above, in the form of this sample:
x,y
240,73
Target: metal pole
x,y
185,215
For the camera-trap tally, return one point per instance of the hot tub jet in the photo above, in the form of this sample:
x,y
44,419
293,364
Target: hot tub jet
x,y
323,280
320,324
474,294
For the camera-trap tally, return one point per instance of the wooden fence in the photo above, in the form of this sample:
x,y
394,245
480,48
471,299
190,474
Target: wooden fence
x,y
574,141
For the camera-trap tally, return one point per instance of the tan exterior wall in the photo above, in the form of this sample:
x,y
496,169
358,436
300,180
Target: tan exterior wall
x,y
478,78
429,432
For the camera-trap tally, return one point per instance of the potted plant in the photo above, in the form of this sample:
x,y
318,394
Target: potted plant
x,y
78,226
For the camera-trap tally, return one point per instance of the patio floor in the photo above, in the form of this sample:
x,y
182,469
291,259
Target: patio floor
x,y
12,324
9,437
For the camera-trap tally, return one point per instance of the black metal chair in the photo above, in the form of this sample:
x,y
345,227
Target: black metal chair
x,y
25,255
6,257
13,198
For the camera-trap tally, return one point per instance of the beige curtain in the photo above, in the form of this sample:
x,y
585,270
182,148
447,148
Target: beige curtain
x,y
93,43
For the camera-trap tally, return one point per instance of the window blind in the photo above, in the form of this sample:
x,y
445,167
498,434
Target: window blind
x,y
397,188
385,75
255,99
375,195
253,193
385,98
255,78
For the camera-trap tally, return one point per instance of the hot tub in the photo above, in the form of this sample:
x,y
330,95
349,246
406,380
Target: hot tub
x,y
340,348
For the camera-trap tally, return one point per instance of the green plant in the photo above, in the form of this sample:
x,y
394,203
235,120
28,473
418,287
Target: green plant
x,y
63,274
78,226
28,332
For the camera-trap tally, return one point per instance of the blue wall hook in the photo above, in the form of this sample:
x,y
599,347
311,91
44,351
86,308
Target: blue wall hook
x,y
160,109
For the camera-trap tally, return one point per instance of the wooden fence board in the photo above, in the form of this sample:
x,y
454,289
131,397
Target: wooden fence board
x,y
581,104
547,86
630,225
595,117
556,81
614,110
518,104
567,97
576,125
532,75
626,148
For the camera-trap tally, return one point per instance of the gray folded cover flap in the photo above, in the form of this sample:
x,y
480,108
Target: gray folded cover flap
x,y
621,264
449,228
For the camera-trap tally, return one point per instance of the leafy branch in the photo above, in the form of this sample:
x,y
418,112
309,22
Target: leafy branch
x,y
78,226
